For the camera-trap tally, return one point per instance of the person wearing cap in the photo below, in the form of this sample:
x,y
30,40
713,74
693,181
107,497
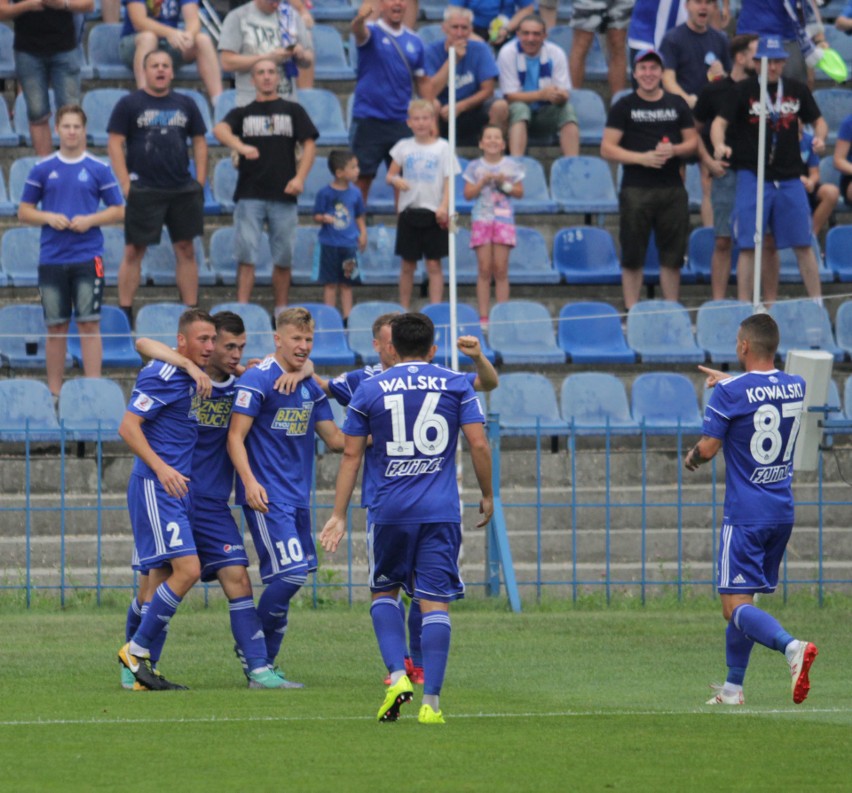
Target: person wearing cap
x,y
649,132
786,213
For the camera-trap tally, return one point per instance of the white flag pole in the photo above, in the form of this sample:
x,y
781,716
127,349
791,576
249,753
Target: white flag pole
x,y
761,178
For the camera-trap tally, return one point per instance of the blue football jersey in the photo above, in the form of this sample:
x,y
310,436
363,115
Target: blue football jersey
x,y
757,415
212,469
165,397
414,412
280,444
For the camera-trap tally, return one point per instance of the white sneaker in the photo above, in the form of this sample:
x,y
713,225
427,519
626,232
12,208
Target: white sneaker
x,y
721,698
799,668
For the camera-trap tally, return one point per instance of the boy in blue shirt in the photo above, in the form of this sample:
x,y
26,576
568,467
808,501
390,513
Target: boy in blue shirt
x,y
339,208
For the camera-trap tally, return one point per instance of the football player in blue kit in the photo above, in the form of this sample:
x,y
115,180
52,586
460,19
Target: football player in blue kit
x,y
756,417
414,412
271,444
161,428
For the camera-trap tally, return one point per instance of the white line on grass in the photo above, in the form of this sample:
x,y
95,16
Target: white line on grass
x,y
565,714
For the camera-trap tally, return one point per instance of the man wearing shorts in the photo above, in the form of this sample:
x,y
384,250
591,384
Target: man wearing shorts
x,y
161,428
271,443
600,16
650,132
786,213
264,134
755,416
70,186
148,130
534,79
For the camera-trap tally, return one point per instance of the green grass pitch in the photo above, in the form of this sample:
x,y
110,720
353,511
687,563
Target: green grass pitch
x,y
554,699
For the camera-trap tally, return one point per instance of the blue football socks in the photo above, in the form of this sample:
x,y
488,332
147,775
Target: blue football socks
x,y
436,650
761,627
415,627
134,617
737,651
157,616
273,607
390,633
248,631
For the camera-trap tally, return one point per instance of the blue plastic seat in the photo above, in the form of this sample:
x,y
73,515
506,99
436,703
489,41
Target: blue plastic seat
x,y
331,63
843,328
118,346
468,325
563,36
693,186
159,321
804,326
583,184
260,341
7,58
463,205
619,95
432,9
594,403
302,267
224,264
330,345
324,109
226,102
699,255
18,173
22,326
467,265
430,33
98,105
525,404
19,255
380,199
586,255
28,412
224,184
103,52
661,332
379,264
847,397
91,409
790,274
651,267
717,325
318,177
8,136
835,104
361,326
838,252
204,107
22,125
536,199
159,263
331,10
828,174
529,260
665,402
521,331
591,113
591,333
7,208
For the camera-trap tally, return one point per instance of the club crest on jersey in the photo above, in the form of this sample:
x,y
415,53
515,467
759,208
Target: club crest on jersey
x,y
305,393
243,399
294,421
143,402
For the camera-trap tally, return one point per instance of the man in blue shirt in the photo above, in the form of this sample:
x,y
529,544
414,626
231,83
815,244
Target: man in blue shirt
x,y
271,444
70,186
414,412
476,78
756,416
161,429
390,71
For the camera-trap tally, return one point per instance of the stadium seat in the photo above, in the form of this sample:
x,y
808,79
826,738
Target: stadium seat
x,y
226,102
204,107
113,252
224,265
835,104
790,274
586,255
318,177
594,403
379,264
103,53
159,321
91,409
847,397
661,332
843,327
717,325
331,10
22,125
693,186
430,33
536,199
591,112
521,331
302,268
361,326
804,326
596,66
118,346
699,254
19,255
98,105
259,339
18,173
432,10
324,109
838,252
463,205
468,325
211,205
380,199
467,265
583,184
8,137
22,337
529,260
591,333
330,345
7,57
331,63
224,184
7,208
28,412
525,404
664,402
159,263
620,95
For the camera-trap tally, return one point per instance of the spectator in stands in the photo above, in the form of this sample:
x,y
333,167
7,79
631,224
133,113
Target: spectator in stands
x,y
497,21
390,70
46,54
264,134
70,186
650,132
822,198
785,202
843,158
260,30
601,16
148,130
305,78
534,79
476,78
410,15
650,20
148,27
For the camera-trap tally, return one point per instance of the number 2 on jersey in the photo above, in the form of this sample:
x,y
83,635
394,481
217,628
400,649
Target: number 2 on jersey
x,y
427,419
767,419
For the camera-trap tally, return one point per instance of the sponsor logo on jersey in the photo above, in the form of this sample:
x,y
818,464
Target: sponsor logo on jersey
x,y
228,548
739,580
416,467
143,402
293,420
770,474
243,399
215,412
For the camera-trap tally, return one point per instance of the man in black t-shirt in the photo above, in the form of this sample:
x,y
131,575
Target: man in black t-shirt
x,y
148,130
786,213
649,132
265,133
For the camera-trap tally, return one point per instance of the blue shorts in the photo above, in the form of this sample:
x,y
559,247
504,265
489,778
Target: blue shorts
x,y
786,213
750,556
334,265
283,540
63,286
372,139
60,70
217,536
161,526
422,558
